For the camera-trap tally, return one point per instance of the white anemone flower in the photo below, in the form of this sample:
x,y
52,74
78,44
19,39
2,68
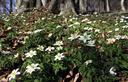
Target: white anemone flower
x,y
117,37
73,36
122,20
59,56
59,48
31,68
117,29
85,37
59,43
91,43
110,31
42,18
37,31
24,41
125,26
5,52
97,30
71,25
50,34
88,62
41,48
76,23
124,37
49,48
9,28
13,74
89,22
16,55
30,54
112,71
85,20
111,40
58,26
88,28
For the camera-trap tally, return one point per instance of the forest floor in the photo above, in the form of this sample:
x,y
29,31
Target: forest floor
x,y
23,31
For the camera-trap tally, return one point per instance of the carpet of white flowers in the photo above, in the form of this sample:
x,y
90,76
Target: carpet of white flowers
x,y
37,47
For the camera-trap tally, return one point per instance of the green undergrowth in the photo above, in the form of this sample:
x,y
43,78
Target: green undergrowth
x,y
45,47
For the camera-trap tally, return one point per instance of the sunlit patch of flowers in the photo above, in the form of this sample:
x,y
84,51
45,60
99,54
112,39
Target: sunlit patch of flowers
x,y
32,67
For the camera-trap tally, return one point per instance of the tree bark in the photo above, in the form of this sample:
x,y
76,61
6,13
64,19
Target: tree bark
x,y
44,3
83,6
122,5
38,4
107,6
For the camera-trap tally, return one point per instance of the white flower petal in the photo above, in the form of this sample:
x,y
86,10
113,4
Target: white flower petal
x,y
111,71
88,62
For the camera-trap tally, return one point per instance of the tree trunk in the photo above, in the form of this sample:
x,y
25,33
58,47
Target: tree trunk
x,y
76,6
122,5
83,6
54,6
38,4
44,3
69,6
107,6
